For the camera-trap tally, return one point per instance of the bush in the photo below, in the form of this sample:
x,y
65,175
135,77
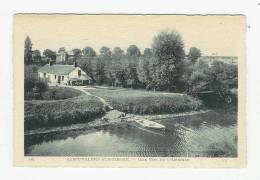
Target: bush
x,y
82,109
147,102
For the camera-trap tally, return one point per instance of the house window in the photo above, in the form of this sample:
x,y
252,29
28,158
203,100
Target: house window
x,y
55,77
44,74
62,78
79,73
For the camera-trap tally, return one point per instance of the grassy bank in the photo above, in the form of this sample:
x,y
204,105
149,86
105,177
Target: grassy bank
x,y
54,93
58,93
147,102
81,109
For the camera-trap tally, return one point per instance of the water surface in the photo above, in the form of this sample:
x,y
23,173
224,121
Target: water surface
x,y
213,134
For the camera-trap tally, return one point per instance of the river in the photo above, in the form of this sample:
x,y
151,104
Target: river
x,y
211,134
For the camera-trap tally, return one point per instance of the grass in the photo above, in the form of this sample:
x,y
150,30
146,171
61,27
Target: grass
x,y
147,102
57,93
81,109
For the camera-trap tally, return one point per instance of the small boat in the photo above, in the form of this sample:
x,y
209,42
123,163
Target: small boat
x,y
150,124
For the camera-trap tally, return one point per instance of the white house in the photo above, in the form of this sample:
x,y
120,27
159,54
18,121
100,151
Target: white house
x,y
63,74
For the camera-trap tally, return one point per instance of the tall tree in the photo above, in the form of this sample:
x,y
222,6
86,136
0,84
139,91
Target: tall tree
x,y
148,52
50,54
61,49
105,51
168,49
145,71
118,59
86,65
106,60
36,56
117,68
117,52
76,55
194,54
133,50
89,52
27,50
76,52
100,75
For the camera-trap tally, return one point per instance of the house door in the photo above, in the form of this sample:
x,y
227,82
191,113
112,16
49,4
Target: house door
x,y
59,79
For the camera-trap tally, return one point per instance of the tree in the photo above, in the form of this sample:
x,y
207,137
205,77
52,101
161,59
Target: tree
x,y
148,52
86,65
89,52
41,86
76,55
117,53
105,51
118,61
62,49
168,49
116,68
145,71
106,59
121,77
100,71
76,52
36,56
133,50
49,54
194,54
222,77
27,50
197,77
132,77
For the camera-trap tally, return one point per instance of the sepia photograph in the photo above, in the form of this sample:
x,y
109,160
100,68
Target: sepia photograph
x,y
129,86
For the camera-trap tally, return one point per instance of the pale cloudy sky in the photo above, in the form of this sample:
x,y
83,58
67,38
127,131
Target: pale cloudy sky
x,y
223,35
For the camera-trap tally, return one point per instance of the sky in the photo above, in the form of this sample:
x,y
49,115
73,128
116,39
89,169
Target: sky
x,y
221,35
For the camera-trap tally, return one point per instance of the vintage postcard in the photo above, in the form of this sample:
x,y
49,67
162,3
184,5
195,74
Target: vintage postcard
x,y
129,90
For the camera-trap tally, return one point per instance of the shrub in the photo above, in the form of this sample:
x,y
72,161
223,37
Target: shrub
x,y
39,114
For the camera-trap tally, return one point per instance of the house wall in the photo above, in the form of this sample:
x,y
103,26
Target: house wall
x,y
51,78
74,73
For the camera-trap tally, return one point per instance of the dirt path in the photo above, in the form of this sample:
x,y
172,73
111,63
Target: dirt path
x,y
83,89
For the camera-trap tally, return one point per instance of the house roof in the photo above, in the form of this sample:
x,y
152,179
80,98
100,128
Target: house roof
x,y
57,69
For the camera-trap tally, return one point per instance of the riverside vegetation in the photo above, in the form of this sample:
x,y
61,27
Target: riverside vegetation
x,y
85,108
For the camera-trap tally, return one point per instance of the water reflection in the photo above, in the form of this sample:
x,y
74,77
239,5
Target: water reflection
x,y
211,134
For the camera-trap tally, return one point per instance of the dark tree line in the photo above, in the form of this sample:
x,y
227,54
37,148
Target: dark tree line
x,y
164,66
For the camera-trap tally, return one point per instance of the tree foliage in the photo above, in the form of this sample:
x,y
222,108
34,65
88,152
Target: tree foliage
x,y
89,52
49,54
27,50
133,50
76,52
194,54
168,49
61,49
36,56
148,52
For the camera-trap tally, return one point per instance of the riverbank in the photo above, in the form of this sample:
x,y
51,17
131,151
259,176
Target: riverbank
x,y
108,120
94,103
81,109
147,102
